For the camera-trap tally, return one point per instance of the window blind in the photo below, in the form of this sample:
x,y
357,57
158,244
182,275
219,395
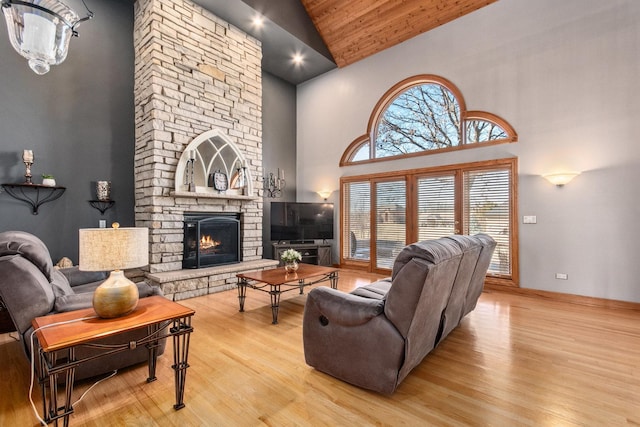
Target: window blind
x,y
487,209
391,223
356,220
436,207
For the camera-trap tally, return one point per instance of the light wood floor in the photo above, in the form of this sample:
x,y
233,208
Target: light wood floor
x,y
513,361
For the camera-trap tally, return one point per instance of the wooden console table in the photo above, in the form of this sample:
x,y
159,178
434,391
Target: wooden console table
x,y
64,332
312,253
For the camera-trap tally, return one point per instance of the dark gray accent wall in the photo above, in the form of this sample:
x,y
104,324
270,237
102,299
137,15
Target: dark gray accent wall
x,y
278,143
79,121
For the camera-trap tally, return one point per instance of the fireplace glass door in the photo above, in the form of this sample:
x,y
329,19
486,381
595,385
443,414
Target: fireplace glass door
x,y
211,240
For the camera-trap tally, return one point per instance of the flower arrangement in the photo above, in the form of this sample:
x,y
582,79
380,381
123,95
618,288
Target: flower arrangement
x,y
290,255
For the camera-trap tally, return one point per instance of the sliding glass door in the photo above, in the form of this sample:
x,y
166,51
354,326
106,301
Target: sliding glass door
x,y
383,213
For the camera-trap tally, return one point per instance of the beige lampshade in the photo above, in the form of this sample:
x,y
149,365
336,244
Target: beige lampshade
x,y
116,249
105,249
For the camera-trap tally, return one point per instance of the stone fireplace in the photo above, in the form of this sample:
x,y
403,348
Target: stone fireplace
x,y
198,93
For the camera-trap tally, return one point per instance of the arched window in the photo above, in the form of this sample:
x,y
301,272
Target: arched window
x,y
421,115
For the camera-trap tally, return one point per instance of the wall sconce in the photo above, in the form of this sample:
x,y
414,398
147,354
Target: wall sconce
x,y
560,179
40,31
325,194
273,185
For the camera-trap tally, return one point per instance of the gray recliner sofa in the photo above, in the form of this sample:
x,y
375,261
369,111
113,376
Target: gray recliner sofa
x,y
30,287
375,335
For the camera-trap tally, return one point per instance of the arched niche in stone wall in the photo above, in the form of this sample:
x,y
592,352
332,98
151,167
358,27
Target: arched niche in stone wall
x,y
213,152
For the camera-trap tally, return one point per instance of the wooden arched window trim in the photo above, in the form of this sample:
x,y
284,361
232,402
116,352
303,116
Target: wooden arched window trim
x,y
512,136
390,96
352,149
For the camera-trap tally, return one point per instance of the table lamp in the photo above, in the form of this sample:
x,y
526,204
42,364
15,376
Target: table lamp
x,y
115,249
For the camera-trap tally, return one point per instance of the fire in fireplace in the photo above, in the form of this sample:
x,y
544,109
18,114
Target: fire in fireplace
x,y
211,239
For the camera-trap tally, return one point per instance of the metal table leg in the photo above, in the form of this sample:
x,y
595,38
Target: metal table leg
x,y
153,330
181,332
242,292
333,277
49,374
275,302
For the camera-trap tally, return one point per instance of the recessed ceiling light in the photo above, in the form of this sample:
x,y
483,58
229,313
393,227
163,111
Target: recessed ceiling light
x,y
297,58
258,21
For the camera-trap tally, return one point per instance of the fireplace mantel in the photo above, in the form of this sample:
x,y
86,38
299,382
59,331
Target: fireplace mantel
x,y
207,195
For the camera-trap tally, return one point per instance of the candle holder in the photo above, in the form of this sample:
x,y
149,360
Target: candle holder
x,y
191,185
27,158
103,190
27,175
273,185
241,180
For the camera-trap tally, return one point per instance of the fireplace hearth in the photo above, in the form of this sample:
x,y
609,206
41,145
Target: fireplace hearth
x,y
211,239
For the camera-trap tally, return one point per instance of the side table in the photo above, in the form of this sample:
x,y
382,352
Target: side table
x,y
64,332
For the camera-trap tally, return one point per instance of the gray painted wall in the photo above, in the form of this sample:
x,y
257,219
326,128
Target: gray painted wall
x,y
564,75
78,120
278,143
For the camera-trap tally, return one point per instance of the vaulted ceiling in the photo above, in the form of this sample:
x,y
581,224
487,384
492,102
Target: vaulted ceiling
x,y
330,33
356,29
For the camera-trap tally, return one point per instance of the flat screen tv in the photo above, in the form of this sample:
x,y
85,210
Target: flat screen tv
x,y
299,222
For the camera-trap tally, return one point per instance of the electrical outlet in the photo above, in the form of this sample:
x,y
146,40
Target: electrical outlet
x,y
562,276
529,219
103,223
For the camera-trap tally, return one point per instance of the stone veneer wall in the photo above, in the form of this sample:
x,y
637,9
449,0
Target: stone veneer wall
x,y
193,73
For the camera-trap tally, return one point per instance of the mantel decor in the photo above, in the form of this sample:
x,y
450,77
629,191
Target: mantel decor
x,y
40,30
213,164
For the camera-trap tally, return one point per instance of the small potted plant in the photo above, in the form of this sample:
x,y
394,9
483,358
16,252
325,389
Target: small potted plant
x,y
48,180
290,257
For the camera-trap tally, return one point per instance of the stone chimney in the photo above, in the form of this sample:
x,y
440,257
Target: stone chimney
x,y
193,73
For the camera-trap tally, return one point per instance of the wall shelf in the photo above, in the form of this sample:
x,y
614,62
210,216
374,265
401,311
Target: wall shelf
x,y
34,194
102,205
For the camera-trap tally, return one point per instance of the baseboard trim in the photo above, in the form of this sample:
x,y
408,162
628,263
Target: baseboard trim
x,y
561,297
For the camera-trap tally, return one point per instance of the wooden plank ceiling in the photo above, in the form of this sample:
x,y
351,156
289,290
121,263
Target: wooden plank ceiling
x,y
356,29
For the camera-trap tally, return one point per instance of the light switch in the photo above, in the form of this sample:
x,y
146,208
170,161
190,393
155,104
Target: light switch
x,y
529,219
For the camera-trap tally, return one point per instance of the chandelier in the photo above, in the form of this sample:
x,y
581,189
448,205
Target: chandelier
x,y
40,30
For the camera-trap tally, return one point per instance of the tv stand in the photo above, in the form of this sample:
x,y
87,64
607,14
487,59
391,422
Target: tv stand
x,y
312,253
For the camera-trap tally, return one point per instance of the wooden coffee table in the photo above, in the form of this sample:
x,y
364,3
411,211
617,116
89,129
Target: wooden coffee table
x,y
277,281
64,332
